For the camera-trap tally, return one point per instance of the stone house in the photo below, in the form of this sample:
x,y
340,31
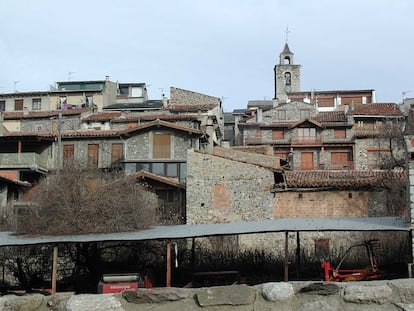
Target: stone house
x,y
378,130
11,191
66,95
244,186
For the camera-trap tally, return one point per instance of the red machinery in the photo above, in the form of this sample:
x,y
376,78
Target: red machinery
x,y
115,283
371,272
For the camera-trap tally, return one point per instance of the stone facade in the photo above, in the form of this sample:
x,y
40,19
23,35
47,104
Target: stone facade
x,y
245,186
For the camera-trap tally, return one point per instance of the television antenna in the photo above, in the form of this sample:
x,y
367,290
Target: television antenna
x,y
70,73
14,86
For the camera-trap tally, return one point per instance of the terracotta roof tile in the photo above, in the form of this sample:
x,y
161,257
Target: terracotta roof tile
x,y
102,116
152,117
41,114
191,108
386,109
330,116
342,179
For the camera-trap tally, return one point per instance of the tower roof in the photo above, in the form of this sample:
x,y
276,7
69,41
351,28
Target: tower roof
x,y
286,49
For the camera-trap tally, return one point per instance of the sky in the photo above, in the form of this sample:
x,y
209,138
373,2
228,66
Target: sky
x,y
222,48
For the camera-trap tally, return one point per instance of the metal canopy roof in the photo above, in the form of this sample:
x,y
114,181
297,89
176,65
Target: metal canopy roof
x,y
203,230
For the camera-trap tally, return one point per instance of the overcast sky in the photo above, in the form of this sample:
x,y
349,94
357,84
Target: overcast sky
x,y
222,48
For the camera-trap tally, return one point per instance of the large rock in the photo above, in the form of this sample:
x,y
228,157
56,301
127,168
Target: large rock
x,y
367,294
235,295
277,291
106,302
155,295
21,303
323,289
404,290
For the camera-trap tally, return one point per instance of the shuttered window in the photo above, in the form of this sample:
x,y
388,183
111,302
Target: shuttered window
x,y
93,155
117,154
18,104
68,153
161,148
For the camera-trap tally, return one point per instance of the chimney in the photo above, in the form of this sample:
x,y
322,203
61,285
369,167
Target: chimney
x,y
259,115
107,78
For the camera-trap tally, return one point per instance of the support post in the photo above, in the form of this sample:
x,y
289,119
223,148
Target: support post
x,y
54,269
297,255
286,256
168,275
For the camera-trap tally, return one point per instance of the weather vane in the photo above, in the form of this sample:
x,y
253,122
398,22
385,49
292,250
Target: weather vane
x,y
287,33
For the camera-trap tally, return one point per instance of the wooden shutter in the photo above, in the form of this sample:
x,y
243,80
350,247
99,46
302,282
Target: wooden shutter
x,y
117,154
278,134
339,159
18,104
340,133
306,161
68,152
161,146
93,155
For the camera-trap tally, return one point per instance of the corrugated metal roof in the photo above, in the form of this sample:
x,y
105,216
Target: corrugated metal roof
x,y
203,230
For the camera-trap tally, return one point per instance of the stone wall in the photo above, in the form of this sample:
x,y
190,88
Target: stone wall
x,y
334,203
305,296
222,190
185,97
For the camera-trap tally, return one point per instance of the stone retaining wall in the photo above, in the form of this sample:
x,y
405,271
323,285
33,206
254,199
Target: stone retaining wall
x,y
304,296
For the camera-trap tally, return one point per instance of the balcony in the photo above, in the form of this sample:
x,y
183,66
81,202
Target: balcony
x,y
31,160
391,130
253,140
306,141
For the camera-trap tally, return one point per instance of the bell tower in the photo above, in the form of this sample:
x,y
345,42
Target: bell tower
x,y
287,74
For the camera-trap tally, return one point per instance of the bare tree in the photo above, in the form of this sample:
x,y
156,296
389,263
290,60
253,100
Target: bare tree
x,y
77,201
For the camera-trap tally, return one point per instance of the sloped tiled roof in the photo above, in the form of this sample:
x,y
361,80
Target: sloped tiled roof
x,y
14,115
386,109
330,116
343,179
13,181
102,116
151,117
191,108
165,180
161,123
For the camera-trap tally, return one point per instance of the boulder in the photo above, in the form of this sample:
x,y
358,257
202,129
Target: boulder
x,y
323,289
277,291
89,302
367,294
235,295
155,295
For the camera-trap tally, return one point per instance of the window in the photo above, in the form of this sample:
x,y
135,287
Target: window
x,y
306,134
161,146
36,104
18,104
304,113
2,105
89,101
93,155
281,114
278,134
340,133
340,159
63,103
68,153
117,154
172,170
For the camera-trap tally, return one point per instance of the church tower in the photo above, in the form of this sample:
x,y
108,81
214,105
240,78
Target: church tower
x,y
287,75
